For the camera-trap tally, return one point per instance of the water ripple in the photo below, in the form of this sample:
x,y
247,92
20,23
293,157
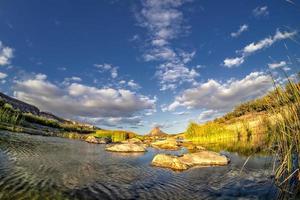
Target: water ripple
x,y
35,167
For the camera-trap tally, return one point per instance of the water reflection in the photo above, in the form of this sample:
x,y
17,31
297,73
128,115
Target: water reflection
x,y
246,146
34,167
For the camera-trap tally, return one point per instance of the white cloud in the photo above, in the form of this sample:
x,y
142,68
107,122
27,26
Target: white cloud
x,y
114,72
3,75
267,42
6,54
261,11
232,62
108,67
69,80
262,44
242,29
164,22
133,85
215,95
277,65
78,100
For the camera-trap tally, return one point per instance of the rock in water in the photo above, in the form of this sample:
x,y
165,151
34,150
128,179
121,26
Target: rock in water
x,y
132,141
169,144
169,161
127,147
92,139
203,158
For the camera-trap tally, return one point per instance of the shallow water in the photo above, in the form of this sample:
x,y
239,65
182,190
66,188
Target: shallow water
x,y
36,167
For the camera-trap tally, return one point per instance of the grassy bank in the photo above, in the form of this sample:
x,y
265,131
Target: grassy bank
x,y
114,135
274,119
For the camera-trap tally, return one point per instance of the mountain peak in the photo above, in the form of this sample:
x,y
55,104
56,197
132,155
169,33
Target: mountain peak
x,y
157,132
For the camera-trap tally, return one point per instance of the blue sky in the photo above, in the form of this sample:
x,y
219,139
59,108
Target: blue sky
x,y
138,64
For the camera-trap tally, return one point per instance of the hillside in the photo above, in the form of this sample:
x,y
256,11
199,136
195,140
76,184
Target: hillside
x,y
157,132
16,115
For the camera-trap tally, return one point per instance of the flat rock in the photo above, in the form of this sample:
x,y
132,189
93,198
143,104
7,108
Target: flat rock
x,y
168,144
205,158
127,147
169,161
202,158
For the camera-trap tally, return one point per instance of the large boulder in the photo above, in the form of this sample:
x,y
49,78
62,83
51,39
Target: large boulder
x,y
203,158
168,161
168,144
127,147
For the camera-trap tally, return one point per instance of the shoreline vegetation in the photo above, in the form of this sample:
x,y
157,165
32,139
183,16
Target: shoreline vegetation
x,y
267,125
270,124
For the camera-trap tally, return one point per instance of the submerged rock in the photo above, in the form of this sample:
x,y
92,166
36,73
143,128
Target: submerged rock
x,y
169,144
203,158
127,147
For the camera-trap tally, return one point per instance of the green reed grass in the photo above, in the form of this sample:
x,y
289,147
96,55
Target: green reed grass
x,y
10,115
114,135
285,135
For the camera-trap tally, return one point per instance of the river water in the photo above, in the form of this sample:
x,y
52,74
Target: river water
x,y
37,167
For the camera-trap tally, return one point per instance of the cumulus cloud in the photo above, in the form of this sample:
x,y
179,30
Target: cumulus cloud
x,y
277,64
232,62
3,75
215,95
261,11
242,29
79,100
254,47
267,42
6,54
164,22
108,67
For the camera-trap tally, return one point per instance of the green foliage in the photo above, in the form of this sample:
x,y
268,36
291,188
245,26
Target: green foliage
x,y
115,136
284,130
41,120
10,115
209,132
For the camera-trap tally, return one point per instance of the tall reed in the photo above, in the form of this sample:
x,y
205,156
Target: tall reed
x,y
286,137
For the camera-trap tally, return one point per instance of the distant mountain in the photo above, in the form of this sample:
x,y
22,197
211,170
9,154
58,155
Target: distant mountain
x,y
157,132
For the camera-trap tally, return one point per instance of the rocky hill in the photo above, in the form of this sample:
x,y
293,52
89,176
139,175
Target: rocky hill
x,y
38,116
17,104
157,132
